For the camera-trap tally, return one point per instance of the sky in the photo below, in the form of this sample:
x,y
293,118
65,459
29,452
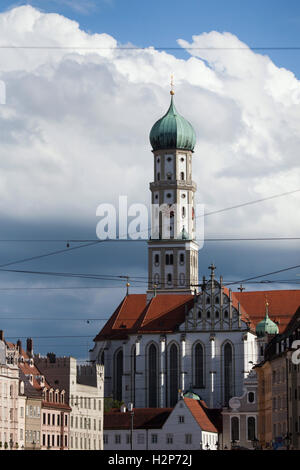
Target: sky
x,y
75,133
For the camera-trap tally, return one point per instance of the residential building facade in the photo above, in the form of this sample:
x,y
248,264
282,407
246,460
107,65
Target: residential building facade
x,y
84,392
187,426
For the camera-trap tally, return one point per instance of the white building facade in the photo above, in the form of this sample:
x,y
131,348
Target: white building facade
x,y
84,386
185,427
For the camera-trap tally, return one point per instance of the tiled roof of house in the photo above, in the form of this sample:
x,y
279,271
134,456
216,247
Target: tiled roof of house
x,y
165,312
144,418
282,305
199,412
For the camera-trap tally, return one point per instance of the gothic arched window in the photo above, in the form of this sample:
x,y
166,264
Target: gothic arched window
x,y
152,376
173,375
228,372
199,365
118,375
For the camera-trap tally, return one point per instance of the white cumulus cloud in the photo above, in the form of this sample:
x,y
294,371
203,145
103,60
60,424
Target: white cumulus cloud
x,y
74,131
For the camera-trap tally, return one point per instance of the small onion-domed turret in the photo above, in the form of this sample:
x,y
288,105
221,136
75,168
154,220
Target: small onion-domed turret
x,y
172,131
266,326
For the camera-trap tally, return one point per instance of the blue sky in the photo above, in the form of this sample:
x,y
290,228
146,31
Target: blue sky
x,y
259,23
67,131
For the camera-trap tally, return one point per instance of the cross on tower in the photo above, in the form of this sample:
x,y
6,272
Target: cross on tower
x,y
212,268
241,288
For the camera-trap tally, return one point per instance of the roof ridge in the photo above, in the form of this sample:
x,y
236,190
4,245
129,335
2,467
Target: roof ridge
x,y
147,306
119,310
171,308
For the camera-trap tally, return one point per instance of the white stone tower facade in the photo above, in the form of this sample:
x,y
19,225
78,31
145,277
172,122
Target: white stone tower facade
x,y
172,248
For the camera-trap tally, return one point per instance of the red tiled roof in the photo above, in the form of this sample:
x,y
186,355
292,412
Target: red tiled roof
x,y
198,411
144,418
162,314
282,305
165,312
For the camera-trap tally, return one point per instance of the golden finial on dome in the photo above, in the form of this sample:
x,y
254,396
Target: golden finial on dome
x,y
172,92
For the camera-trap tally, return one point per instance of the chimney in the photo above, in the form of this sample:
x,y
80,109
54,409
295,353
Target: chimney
x,y
1,335
19,346
29,347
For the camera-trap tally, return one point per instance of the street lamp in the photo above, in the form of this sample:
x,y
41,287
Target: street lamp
x,y
130,408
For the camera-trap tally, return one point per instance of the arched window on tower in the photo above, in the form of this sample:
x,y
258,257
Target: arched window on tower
x,y
199,365
152,376
173,375
182,175
228,372
118,375
167,259
169,278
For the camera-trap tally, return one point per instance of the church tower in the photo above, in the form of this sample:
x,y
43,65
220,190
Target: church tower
x,y
172,247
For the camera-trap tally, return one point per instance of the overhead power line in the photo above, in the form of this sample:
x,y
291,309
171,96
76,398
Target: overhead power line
x,y
149,48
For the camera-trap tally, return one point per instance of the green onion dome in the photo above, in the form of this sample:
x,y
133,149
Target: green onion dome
x,y
172,131
191,394
266,326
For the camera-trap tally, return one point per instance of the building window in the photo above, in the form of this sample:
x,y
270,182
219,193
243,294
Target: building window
x,y
235,429
188,438
180,419
169,438
228,373
105,439
169,278
199,365
153,438
118,375
140,438
251,397
169,259
152,376
181,258
173,375
251,428
182,175
156,259
117,438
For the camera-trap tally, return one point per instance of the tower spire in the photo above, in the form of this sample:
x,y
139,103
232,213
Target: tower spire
x,y
172,92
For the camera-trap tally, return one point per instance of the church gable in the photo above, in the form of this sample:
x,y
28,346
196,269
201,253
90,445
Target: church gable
x,y
216,308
